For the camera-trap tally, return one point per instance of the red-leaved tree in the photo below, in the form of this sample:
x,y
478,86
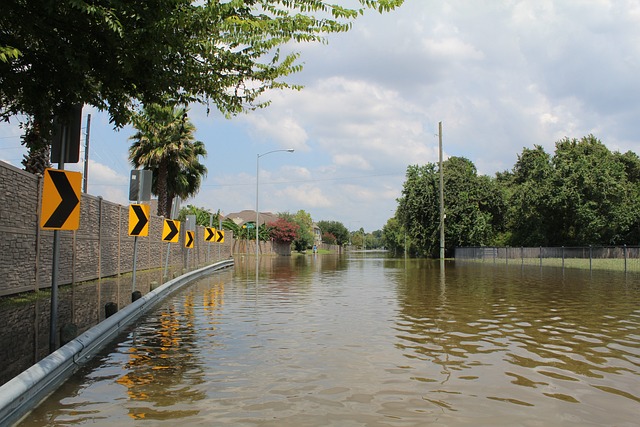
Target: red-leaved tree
x,y
283,231
329,238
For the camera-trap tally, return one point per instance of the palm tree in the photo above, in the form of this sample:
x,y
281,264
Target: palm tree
x,y
188,176
164,142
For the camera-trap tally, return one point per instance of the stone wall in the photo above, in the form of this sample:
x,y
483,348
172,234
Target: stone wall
x,y
101,247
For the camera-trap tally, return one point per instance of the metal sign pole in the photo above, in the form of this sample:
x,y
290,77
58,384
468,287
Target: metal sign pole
x,y
209,242
135,256
135,238
187,255
53,322
173,214
219,228
166,261
191,226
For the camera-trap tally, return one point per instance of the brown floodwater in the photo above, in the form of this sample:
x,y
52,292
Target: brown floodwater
x,y
363,340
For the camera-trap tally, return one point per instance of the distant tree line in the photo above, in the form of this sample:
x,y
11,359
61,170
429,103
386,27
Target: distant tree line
x,y
295,229
583,194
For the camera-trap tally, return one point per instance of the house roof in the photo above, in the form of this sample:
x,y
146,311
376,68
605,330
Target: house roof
x,y
246,216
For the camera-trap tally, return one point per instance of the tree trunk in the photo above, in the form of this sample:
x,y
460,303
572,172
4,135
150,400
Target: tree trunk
x,y
169,204
39,148
161,188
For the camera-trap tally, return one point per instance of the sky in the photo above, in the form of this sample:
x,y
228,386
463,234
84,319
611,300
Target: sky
x,y
501,76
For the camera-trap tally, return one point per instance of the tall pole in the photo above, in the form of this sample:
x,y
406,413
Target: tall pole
x,y
85,180
209,247
290,150
135,239
257,210
441,193
53,321
219,228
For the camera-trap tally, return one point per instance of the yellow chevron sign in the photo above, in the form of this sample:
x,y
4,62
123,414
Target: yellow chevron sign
x,y
138,220
61,200
209,234
189,239
171,231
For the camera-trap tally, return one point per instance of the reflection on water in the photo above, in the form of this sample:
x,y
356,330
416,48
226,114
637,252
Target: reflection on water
x,y
366,340
82,305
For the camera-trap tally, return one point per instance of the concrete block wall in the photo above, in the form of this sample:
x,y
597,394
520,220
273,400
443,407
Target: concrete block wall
x,y
101,247
18,235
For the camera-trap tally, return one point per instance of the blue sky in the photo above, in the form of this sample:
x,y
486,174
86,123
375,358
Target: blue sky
x,y
501,76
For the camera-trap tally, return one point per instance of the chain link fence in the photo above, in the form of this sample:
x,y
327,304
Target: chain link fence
x,y
618,258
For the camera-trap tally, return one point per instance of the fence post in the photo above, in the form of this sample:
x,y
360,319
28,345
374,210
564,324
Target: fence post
x,y
540,256
590,258
624,250
36,270
563,258
506,254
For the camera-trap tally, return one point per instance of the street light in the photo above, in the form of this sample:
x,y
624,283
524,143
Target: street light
x,y
442,215
289,150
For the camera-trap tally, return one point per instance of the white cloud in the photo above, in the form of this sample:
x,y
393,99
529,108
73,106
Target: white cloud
x,y
451,48
281,129
308,196
351,161
105,182
295,173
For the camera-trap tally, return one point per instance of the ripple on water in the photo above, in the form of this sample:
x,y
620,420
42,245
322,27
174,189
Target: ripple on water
x,y
370,344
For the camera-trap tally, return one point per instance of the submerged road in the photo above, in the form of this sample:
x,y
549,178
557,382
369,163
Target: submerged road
x,y
366,340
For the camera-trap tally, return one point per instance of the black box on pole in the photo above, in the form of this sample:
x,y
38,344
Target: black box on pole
x,y
69,127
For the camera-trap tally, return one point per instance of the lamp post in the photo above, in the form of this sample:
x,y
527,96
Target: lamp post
x,y
289,150
442,214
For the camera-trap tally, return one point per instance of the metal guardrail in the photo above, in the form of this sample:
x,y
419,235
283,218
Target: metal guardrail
x,y
620,258
24,392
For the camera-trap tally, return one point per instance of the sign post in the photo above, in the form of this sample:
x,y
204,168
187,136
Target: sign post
x,y
208,235
66,215
190,235
171,231
139,190
219,228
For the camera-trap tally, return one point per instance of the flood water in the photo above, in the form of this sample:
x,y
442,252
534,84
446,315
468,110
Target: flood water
x,y
362,340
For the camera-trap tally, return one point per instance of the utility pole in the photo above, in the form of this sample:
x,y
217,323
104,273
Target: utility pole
x,y
85,177
441,193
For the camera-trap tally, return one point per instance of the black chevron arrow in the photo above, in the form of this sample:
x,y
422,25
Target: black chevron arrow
x,y
189,239
210,234
220,236
67,204
142,220
172,233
